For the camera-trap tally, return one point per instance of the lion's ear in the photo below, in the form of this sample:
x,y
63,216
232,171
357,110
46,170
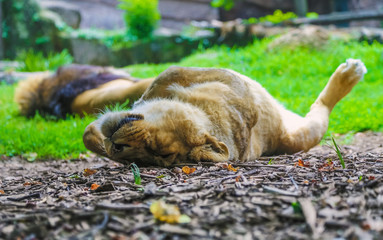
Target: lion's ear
x,y
213,150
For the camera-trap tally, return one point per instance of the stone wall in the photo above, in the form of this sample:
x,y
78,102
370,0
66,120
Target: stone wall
x,y
104,14
178,13
365,5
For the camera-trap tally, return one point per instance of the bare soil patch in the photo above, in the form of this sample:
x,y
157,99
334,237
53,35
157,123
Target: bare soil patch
x,y
300,196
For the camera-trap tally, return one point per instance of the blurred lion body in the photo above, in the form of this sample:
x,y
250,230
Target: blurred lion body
x,y
76,89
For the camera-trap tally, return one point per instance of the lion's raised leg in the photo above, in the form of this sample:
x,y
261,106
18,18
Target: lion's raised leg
x,y
111,93
303,133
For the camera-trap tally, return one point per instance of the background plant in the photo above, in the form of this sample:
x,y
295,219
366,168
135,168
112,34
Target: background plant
x,y
278,17
23,27
141,17
226,4
32,61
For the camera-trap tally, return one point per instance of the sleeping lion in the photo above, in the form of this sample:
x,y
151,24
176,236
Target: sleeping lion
x,y
205,114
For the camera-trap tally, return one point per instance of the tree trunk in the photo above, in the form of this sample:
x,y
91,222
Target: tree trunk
x,y
301,7
1,31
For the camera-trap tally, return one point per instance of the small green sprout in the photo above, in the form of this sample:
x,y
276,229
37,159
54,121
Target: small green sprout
x,y
297,207
136,174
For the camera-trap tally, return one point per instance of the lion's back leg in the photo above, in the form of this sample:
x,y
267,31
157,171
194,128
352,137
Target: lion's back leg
x,y
304,133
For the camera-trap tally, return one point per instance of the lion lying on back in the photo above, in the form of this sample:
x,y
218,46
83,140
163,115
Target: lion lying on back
x,y
200,114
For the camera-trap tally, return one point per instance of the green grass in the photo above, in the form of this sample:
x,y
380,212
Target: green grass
x,y
49,139
295,78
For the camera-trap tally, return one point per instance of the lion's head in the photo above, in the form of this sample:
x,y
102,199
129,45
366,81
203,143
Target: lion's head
x,y
160,133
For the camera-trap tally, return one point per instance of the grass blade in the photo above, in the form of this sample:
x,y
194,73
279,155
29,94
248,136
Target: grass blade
x,y
339,153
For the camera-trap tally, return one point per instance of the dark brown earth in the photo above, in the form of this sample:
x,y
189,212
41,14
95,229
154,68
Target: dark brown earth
x,y
270,198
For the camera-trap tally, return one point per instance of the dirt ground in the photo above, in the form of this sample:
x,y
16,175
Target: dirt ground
x,y
301,196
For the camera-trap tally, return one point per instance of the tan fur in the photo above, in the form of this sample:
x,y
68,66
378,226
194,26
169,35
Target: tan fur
x,y
199,114
116,91
27,94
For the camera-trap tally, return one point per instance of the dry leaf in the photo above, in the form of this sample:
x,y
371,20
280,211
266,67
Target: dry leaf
x,y
94,186
371,178
238,178
365,226
222,165
188,170
301,163
168,213
231,168
32,183
2,191
87,172
328,166
227,166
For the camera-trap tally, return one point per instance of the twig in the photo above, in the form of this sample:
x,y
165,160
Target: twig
x,y
310,214
279,191
121,207
233,163
91,233
293,181
18,199
147,175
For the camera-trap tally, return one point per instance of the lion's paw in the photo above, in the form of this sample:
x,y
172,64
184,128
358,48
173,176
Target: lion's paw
x,y
353,70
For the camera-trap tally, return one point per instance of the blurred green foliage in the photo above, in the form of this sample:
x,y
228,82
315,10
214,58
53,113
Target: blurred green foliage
x,y
32,61
141,17
24,27
278,17
226,4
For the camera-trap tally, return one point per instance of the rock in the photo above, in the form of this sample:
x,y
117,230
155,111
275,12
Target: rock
x,y
68,12
71,17
308,36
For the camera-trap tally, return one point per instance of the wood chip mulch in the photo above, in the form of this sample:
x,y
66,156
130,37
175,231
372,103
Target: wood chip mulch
x,y
300,196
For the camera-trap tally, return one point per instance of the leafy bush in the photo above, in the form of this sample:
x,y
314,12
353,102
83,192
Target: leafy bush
x,y
226,4
35,61
25,27
141,16
278,16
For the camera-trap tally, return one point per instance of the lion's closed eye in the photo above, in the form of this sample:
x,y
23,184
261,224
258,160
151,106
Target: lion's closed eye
x,y
166,155
120,147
